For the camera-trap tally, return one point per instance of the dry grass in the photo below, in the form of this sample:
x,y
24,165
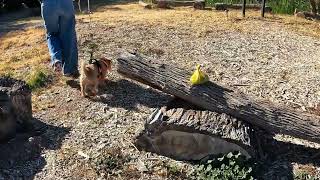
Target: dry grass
x,y
200,21
21,51
24,50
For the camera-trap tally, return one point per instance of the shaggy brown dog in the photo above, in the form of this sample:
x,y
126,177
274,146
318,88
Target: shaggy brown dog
x,y
93,75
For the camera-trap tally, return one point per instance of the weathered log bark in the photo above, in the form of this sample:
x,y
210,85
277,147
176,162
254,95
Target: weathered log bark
x,y
197,4
7,120
213,97
307,15
188,134
224,6
182,3
15,106
176,3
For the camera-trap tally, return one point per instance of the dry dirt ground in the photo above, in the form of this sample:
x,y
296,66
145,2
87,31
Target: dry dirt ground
x,y
274,59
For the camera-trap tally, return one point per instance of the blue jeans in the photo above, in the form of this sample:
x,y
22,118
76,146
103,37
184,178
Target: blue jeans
x,y
59,21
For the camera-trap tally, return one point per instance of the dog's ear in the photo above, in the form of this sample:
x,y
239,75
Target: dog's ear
x,y
106,62
89,71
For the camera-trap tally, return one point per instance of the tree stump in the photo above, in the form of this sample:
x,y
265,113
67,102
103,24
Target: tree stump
x,y
15,106
185,133
199,4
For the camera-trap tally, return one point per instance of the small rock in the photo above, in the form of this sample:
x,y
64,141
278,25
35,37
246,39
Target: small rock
x,y
35,140
141,166
69,100
105,109
101,146
31,139
51,106
86,156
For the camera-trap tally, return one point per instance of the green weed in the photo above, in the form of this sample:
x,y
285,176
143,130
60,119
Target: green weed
x,y
38,78
303,175
110,162
229,166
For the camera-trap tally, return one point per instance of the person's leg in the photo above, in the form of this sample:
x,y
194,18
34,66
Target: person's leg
x,y
51,22
68,38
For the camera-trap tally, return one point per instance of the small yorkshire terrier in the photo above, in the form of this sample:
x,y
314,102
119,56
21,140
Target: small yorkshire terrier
x,y
93,75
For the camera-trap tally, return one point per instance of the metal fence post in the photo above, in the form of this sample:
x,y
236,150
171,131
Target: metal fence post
x,y
244,8
263,8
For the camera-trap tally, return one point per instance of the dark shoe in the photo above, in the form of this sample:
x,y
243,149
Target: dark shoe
x,y
73,75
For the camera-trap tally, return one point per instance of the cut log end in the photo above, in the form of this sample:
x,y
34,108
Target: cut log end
x,y
15,106
187,134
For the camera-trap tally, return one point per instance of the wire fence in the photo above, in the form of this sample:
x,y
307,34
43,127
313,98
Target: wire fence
x,y
278,6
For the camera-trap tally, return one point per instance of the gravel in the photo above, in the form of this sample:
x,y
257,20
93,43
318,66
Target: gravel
x,y
264,59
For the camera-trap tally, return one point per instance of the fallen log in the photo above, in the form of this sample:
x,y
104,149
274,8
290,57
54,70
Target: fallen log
x,y
197,4
182,3
224,6
178,3
173,80
307,15
188,134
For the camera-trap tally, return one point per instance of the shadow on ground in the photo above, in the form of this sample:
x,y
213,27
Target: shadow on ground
x,y
126,94
20,157
279,158
10,21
